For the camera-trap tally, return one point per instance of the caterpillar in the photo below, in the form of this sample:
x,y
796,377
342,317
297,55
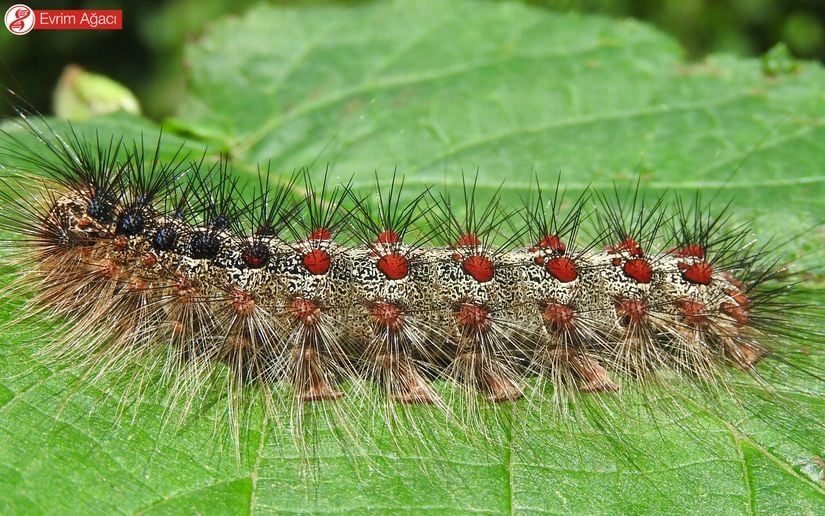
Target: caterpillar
x,y
298,298
130,258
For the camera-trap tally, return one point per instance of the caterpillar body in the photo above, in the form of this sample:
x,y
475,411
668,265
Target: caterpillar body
x,y
134,257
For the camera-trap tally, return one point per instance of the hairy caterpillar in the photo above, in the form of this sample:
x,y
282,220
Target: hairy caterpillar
x,y
301,298
130,257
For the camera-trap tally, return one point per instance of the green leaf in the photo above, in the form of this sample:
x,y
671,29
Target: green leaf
x,y
435,89
80,95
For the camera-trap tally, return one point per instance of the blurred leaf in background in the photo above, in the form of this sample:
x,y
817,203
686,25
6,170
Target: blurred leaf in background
x,y
80,95
146,55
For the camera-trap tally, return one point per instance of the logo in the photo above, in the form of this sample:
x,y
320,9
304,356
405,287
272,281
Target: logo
x,y
19,19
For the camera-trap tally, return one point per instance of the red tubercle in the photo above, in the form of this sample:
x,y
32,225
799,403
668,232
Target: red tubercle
x,y
693,312
638,269
736,312
120,242
388,315
109,269
185,289
255,255
553,243
388,236
468,240
473,317
394,266
629,246
317,262
137,285
252,261
558,317
479,267
320,234
562,268
305,311
699,273
539,260
688,251
740,298
633,311
242,302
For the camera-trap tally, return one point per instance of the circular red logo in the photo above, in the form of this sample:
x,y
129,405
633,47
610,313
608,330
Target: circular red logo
x,y
19,19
